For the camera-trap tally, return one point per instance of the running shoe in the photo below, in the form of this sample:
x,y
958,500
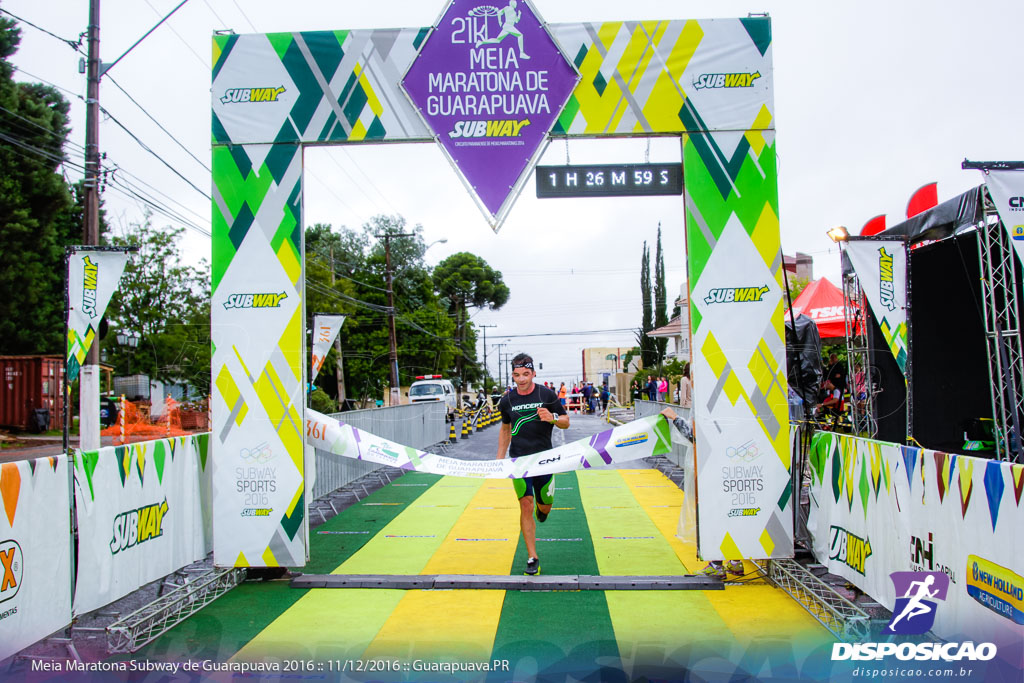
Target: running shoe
x,y
714,571
541,516
532,567
735,567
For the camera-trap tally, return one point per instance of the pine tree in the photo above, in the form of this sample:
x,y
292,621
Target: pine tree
x,y
648,350
660,298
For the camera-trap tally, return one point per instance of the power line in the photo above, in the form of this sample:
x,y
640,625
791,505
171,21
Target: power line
x,y
251,25
148,149
74,45
50,83
159,125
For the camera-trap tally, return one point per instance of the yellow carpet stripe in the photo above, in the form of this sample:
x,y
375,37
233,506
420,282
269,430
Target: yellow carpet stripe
x,y
461,624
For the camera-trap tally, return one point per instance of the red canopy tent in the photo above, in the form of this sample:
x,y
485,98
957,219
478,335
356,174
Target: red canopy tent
x,y
822,302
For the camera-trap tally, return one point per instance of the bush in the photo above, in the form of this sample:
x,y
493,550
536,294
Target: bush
x,y
321,402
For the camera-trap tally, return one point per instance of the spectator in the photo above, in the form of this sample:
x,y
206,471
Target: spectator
x,y
587,392
604,398
662,389
686,389
836,372
652,389
561,394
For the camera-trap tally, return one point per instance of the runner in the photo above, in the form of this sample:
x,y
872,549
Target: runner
x,y
509,17
528,414
915,607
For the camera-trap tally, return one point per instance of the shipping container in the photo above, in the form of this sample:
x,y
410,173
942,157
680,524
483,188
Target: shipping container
x,y
30,384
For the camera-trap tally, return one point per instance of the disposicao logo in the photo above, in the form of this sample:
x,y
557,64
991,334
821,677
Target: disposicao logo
x,y
12,568
737,80
255,300
886,286
92,273
914,614
729,295
916,596
1017,233
631,440
241,95
995,587
138,526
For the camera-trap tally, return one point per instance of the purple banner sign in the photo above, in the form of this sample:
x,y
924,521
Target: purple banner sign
x,y
490,82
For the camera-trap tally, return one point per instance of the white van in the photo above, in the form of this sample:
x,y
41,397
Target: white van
x,y
433,388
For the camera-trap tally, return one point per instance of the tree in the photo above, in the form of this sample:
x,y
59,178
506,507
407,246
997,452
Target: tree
x,y
467,281
33,198
424,329
660,298
167,304
648,351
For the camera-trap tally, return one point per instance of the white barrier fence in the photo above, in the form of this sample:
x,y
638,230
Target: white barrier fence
x,y
878,508
35,551
143,512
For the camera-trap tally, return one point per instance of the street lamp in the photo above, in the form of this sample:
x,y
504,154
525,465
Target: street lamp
x,y
131,340
838,234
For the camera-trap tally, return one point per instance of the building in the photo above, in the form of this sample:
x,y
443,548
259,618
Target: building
x,y
800,265
602,363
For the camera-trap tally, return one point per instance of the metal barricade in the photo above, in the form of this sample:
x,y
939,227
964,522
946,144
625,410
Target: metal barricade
x,y
418,425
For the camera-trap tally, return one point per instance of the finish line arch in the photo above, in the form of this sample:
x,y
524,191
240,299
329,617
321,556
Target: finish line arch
x,y
707,81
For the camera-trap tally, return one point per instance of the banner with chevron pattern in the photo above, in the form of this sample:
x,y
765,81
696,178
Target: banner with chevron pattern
x,y
144,511
881,267
93,275
709,81
35,551
879,507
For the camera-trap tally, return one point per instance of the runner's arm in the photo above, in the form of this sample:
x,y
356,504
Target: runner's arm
x,y
504,439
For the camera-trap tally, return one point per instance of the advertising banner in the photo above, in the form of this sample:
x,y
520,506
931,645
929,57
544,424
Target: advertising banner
x,y
490,82
92,279
259,359
740,407
881,267
35,551
632,441
325,331
144,511
1007,190
879,508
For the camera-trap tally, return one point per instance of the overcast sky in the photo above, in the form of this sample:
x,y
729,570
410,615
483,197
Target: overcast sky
x,y
872,100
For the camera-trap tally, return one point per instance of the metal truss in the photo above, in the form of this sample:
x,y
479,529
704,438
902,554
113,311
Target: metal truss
x,y
841,617
1002,330
862,412
132,632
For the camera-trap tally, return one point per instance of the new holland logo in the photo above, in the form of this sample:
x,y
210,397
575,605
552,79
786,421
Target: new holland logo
x,y
92,273
241,95
848,548
255,300
631,440
729,295
886,286
509,128
739,80
138,526
12,568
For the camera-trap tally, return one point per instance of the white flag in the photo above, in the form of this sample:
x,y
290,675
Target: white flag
x,y
325,330
1007,190
881,267
93,275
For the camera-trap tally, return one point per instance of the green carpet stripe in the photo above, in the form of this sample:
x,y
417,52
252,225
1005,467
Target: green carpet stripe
x,y
222,628
561,634
626,541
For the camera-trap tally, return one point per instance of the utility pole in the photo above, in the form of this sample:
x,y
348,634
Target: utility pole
x,y
395,394
339,369
484,328
89,375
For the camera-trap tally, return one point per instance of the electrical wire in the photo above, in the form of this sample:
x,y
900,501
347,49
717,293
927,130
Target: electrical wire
x,y
74,45
148,149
